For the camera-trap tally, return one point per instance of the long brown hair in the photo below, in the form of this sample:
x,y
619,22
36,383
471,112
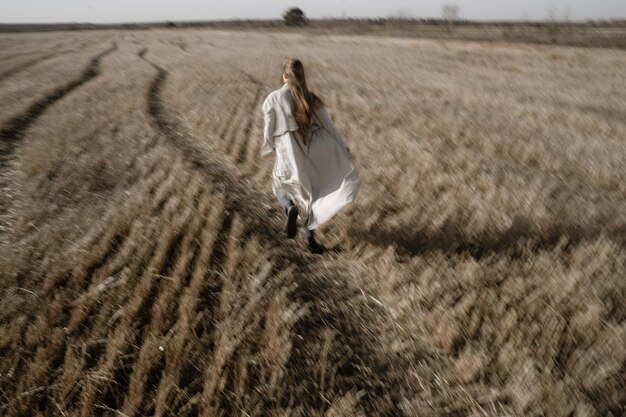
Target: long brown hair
x,y
304,101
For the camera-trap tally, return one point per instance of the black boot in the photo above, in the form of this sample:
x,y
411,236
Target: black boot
x,y
292,217
315,247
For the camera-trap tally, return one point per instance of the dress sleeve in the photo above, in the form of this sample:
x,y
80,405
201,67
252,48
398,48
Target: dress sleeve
x,y
327,123
268,131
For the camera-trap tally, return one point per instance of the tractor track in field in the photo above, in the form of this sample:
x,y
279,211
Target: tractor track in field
x,y
14,129
240,192
315,287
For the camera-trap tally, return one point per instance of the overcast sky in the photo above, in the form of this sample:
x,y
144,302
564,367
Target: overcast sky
x,y
160,10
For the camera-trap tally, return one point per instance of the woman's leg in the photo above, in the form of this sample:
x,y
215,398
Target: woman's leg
x,y
291,211
313,245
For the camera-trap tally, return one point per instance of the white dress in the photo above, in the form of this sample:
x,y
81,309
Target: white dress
x,y
319,177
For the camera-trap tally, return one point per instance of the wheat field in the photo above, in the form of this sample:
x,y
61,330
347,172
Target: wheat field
x,y
144,264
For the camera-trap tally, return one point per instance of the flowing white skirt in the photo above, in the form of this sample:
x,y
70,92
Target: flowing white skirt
x,y
320,178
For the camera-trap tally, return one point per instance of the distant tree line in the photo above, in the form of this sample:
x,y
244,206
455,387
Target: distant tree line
x,y
320,23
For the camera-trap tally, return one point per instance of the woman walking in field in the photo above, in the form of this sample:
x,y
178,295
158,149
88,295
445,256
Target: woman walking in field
x,y
314,176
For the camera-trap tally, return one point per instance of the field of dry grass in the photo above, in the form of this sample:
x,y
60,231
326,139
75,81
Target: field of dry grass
x,y
144,268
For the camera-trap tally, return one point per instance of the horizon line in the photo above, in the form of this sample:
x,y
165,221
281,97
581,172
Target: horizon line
x,y
321,19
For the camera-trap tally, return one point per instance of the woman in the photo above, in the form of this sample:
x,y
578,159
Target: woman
x,y
314,176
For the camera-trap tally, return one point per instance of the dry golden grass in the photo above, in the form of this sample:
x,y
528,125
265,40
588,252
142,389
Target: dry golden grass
x,y
144,269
